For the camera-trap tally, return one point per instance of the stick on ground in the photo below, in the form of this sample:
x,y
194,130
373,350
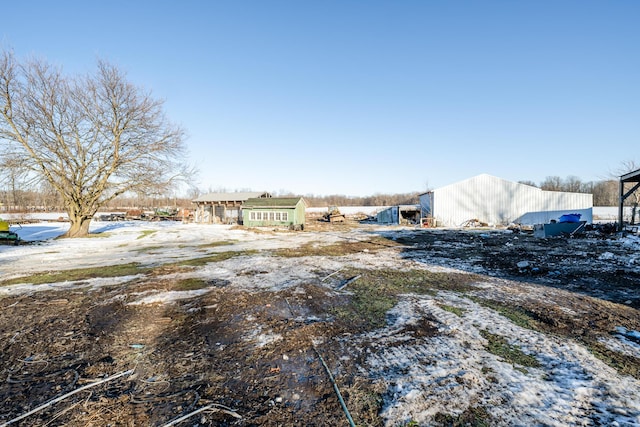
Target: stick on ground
x,y
64,396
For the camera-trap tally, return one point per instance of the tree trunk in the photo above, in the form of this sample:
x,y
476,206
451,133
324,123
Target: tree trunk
x,y
79,225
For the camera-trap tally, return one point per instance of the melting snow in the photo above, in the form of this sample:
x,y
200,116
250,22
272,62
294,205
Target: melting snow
x,y
447,373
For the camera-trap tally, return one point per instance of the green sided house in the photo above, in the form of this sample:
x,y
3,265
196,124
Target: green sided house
x,y
274,211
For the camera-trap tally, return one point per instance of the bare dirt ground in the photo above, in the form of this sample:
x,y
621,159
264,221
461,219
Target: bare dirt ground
x,y
594,263
237,356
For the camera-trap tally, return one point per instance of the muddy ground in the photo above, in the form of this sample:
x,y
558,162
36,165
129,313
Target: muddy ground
x,y
594,263
175,359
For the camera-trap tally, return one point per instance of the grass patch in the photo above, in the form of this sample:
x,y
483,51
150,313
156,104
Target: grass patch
x,y
452,309
365,402
149,249
217,257
627,365
517,315
367,308
190,284
342,248
98,235
145,233
474,416
412,281
217,244
499,346
79,274
376,291
624,364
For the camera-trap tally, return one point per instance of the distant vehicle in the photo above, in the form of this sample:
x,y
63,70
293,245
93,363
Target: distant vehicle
x,y
112,217
6,235
165,214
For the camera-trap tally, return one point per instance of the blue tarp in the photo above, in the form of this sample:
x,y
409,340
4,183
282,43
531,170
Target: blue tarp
x,y
575,217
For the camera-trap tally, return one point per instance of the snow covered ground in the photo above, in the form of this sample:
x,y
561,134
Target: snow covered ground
x,y
446,373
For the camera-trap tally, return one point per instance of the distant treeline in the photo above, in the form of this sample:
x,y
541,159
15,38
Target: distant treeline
x,y
375,200
605,193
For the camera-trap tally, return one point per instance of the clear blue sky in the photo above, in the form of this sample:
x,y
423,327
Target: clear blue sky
x,y
363,97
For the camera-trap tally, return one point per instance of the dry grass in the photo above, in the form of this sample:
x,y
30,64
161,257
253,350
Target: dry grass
x,y
375,292
342,248
79,274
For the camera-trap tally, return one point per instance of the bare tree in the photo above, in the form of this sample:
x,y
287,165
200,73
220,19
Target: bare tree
x,y
91,137
605,193
13,176
551,183
573,184
49,197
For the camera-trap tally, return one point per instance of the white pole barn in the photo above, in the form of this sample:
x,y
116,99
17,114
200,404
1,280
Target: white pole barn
x,y
496,201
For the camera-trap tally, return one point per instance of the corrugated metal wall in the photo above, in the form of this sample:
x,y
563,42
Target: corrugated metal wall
x,y
388,216
497,201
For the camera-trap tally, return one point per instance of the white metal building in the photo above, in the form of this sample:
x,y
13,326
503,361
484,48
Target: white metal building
x,y
496,201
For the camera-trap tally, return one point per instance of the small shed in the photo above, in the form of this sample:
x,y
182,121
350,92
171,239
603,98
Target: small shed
x,y
274,212
401,214
223,208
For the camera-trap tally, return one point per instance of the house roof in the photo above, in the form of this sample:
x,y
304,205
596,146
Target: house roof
x,y
274,202
231,197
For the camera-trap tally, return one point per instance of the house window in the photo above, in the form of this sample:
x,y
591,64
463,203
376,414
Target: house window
x,y
268,216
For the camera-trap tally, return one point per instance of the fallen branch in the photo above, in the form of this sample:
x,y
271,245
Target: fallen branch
x,y
337,271
64,396
212,407
335,387
290,308
344,285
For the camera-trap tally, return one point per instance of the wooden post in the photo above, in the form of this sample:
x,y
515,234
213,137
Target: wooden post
x,y
620,203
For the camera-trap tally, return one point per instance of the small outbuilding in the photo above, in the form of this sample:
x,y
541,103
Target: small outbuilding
x,y
274,212
491,200
401,214
225,208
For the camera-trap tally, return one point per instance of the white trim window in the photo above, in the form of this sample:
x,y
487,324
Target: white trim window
x,y
269,216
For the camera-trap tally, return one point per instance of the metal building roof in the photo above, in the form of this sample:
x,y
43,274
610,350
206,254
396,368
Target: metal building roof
x,y
274,202
238,196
